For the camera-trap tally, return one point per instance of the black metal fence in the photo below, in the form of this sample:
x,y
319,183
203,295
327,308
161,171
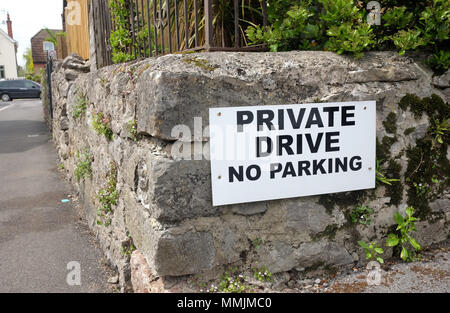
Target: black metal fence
x,y
133,29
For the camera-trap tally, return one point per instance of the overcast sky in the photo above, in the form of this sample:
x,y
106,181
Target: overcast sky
x,y
28,17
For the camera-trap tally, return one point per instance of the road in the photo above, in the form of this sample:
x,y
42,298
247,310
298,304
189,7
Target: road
x,y
39,235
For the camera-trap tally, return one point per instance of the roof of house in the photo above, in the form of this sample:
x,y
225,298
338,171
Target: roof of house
x,y
44,32
39,55
2,32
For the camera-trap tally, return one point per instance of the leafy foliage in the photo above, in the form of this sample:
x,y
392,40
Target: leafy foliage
x,y
381,177
405,225
83,168
361,215
341,26
101,124
132,129
372,250
80,106
108,196
262,274
230,282
408,40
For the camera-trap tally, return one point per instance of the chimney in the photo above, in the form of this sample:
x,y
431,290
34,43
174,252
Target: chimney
x,y
9,23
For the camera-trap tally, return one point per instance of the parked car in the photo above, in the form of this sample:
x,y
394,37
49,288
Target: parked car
x,y
19,89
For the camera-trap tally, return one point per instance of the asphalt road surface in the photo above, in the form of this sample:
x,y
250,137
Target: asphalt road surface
x,y
39,235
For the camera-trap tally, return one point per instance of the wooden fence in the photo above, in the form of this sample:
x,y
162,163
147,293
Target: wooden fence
x,y
77,27
157,27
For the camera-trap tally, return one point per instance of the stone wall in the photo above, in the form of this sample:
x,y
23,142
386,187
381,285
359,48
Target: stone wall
x,y
164,205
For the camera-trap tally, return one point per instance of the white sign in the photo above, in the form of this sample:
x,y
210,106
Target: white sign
x,y
282,151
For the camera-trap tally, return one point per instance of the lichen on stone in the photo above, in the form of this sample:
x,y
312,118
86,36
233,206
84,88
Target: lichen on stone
x,y
201,63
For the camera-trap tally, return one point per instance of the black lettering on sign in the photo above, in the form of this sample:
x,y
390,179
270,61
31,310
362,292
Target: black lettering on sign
x,y
243,117
346,114
259,149
314,118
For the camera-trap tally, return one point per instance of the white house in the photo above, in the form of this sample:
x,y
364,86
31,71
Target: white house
x,y
8,53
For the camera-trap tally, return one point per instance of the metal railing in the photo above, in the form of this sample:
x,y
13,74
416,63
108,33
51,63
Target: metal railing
x,y
157,27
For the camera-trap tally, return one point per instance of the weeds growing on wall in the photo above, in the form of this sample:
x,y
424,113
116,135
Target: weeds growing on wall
x,y
80,107
361,214
403,239
102,125
372,250
108,196
84,168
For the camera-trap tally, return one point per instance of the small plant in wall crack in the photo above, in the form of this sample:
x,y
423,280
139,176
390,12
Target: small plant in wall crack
x,y
128,250
262,274
132,129
256,243
230,282
108,196
84,167
79,109
382,178
361,215
440,132
372,251
102,125
404,240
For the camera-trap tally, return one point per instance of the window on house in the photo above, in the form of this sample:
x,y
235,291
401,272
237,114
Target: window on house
x,y
49,46
2,71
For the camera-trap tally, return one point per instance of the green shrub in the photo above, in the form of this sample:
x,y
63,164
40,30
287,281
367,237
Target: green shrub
x,y
341,26
408,40
348,38
439,62
397,17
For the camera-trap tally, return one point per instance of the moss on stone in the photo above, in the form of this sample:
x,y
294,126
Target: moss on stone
x,y
390,124
383,152
342,200
384,148
329,232
428,165
414,103
409,131
395,190
433,106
